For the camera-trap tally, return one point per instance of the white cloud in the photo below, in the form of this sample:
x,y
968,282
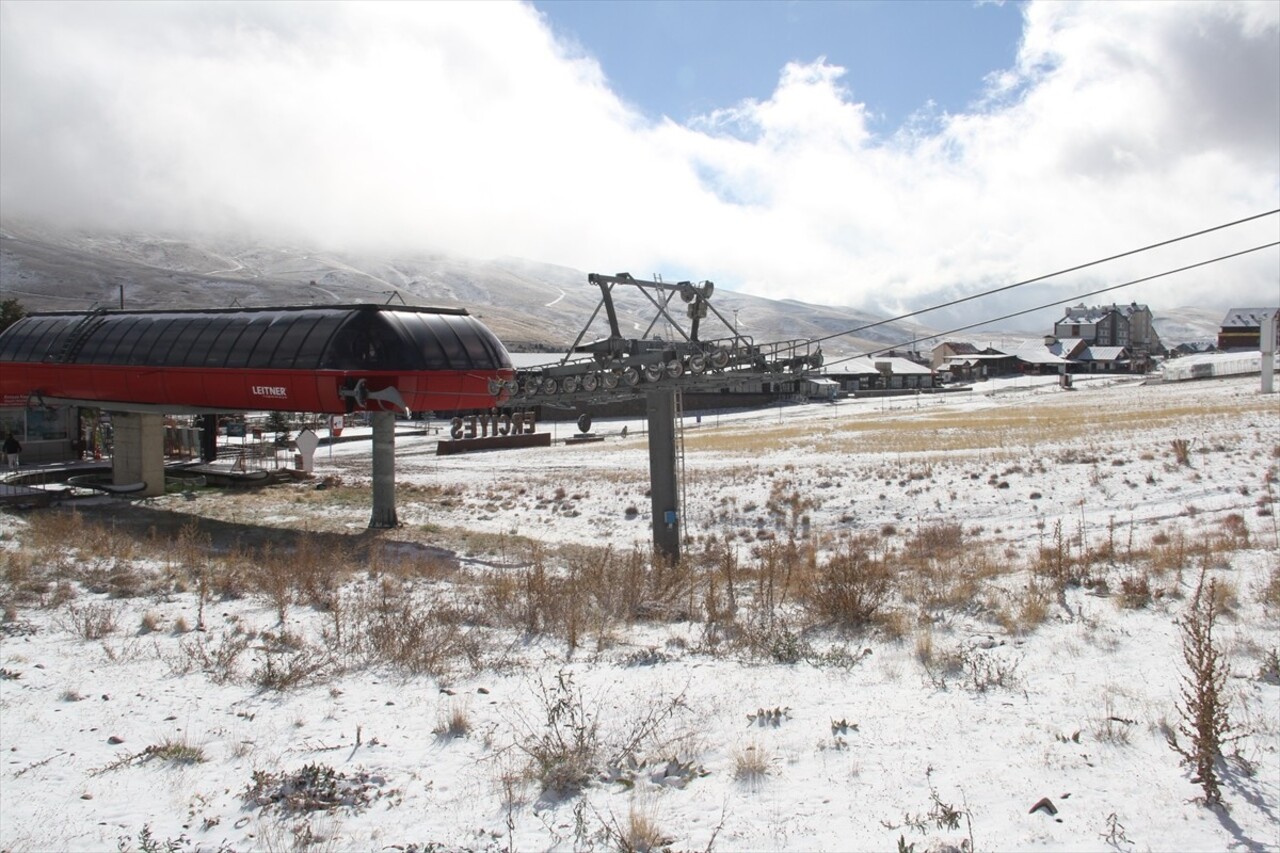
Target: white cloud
x,y
466,127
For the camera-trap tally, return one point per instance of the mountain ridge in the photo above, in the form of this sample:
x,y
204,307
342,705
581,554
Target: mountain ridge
x,y
530,305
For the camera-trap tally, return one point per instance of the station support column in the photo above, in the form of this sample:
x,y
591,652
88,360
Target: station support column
x,y
209,438
137,454
660,407
384,470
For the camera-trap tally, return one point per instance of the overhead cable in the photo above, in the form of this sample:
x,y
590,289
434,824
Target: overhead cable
x,y
1058,302
1039,278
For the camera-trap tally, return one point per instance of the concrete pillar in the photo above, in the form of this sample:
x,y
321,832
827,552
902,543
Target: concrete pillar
x,y
384,470
138,455
1267,347
663,485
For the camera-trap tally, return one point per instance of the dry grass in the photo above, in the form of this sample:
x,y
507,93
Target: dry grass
x,y
752,763
768,584
453,720
997,435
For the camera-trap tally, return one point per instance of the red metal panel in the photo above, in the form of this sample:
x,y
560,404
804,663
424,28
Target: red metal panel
x,y
249,389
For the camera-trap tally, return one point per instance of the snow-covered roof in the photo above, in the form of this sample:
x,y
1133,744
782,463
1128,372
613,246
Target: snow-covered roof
x,y
990,356
1094,313
961,347
1067,347
1103,354
1247,317
897,366
1038,355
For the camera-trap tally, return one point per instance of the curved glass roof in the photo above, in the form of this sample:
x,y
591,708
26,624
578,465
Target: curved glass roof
x,y
359,337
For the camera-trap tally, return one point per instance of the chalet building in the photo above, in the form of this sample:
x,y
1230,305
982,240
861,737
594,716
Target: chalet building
x,y
1193,348
1105,360
881,373
1127,326
948,351
965,362
1242,328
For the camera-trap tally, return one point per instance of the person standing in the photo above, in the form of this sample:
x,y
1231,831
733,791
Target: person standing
x,y
12,447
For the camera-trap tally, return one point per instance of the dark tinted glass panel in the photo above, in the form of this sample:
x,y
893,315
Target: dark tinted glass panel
x,y
396,346
171,343
298,327
52,333
317,341
243,347
455,355
355,346
21,339
202,334
473,338
426,343
90,346
136,348
223,346
118,340
264,350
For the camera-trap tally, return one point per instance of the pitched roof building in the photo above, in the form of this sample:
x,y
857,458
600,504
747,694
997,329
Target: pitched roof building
x,y
1111,326
1242,327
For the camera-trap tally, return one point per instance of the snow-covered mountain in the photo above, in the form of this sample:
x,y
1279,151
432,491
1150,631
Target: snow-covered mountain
x,y
529,304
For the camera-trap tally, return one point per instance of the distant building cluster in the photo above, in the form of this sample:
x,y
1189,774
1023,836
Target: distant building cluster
x,y
1086,340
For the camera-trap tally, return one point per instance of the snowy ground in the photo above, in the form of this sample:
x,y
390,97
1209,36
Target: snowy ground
x,y
978,689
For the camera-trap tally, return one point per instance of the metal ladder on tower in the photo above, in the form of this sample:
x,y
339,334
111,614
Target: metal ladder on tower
x,y
679,416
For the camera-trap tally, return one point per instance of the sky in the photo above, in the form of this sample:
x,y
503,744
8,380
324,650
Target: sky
x,y
881,156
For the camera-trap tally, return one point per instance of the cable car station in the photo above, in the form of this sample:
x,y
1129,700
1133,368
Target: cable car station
x,y
340,359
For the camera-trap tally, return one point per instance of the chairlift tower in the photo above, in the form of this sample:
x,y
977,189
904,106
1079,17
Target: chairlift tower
x,y
616,368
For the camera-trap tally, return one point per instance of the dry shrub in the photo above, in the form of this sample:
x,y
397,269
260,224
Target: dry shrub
x,y
594,590
54,530
1055,563
1235,531
288,668
896,623
1203,704
851,585
111,577
219,661
22,579
1181,451
924,645
272,578
564,753
567,746
1269,592
936,542
417,635
1028,611
1169,553
642,833
779,567
1135,591
92,621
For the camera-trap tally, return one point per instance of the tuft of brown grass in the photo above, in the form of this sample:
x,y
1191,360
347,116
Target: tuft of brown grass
x,y
751,764
454,721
